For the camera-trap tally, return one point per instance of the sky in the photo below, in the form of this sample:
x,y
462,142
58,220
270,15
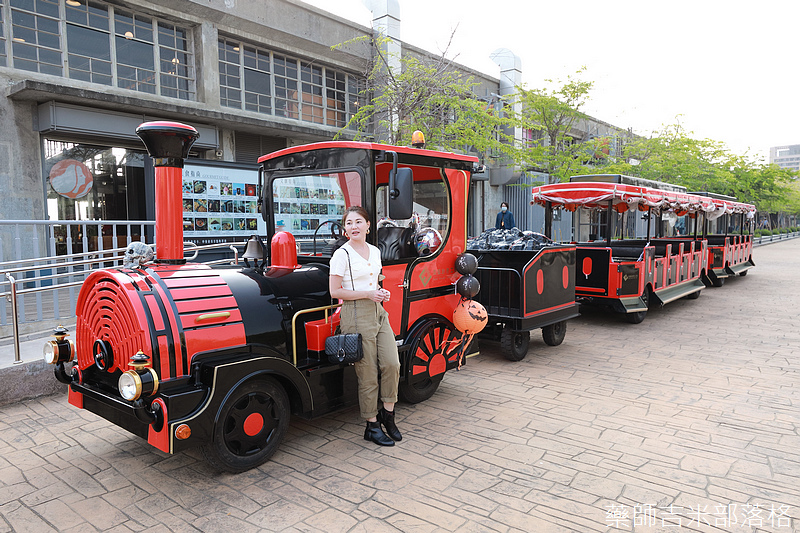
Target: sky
x,y
726,70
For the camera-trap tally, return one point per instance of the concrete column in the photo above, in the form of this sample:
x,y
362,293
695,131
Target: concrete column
x,y
386,23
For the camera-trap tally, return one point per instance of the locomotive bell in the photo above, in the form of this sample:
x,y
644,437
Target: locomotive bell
x,y
254,250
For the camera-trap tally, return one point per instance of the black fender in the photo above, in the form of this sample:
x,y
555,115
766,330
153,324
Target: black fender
x,y
223,371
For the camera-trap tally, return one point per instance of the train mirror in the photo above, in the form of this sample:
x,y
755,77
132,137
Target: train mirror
x,y
401,199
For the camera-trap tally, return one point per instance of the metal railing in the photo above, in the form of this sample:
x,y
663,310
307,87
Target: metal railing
x,y
24,239
56,274
764,239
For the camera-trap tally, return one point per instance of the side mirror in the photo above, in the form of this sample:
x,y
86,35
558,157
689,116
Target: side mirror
x,y
401,193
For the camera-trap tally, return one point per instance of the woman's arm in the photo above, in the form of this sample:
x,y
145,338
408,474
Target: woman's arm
x,y
337,291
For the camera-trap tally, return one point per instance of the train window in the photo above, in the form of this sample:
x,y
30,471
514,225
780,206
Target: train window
x,y
431,210
311,206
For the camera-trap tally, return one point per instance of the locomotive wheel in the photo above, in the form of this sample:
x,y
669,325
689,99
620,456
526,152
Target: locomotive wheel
x,y
515,343
429,350
554,334
637,318
252,424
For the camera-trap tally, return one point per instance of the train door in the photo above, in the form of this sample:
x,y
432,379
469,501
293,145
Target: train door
x,y
411,250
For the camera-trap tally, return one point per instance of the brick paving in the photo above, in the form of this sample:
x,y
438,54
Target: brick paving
x,y
690,419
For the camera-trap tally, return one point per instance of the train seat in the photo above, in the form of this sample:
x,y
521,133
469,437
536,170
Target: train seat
x,y
396,243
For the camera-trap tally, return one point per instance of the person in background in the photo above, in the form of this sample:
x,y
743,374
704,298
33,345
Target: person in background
x,y
505,218
378,372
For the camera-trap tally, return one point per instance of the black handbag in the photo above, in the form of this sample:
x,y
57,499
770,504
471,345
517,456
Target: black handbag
x,y
345,347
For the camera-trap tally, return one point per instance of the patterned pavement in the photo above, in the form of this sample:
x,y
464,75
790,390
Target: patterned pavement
x,y
686,422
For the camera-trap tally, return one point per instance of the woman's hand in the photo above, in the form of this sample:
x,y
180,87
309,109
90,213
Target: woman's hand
x,y
380,295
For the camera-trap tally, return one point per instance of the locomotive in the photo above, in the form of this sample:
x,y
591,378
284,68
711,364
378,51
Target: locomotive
x,y
186,354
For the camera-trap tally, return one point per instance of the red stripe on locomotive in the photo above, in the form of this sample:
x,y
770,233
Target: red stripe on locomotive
x,y
136,310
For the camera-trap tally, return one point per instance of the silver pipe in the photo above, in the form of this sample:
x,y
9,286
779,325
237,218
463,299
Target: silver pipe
x,y
14,318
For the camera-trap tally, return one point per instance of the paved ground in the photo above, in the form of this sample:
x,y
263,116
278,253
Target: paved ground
x,y
686,422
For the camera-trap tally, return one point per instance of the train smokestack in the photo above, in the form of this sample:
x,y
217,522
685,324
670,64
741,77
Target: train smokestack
x,y
168,143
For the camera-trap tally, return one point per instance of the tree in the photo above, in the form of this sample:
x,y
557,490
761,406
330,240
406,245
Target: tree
x,y
425,93
551,114
674,156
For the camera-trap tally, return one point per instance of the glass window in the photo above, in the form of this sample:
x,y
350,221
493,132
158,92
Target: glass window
x,y
89,182
229,74
3,59
311,85
257,80
177,76
312,205
431,210
286,101
335,93
43,42
35,33
284,86
135,65
89,54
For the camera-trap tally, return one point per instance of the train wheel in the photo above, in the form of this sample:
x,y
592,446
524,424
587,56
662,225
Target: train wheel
x,y
554,334
694,296
637,318
428,362
251,426
515,344
743,273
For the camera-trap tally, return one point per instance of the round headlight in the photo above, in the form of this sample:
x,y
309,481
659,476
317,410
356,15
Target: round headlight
x,y
50,352
130,385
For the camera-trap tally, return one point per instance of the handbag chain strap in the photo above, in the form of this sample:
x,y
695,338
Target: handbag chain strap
x,y
353,283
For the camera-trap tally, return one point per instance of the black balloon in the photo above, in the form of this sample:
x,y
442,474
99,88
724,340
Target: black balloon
x,y
467,286
466,264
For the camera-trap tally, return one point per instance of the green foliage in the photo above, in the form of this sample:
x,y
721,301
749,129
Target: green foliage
x,y
673,156
426,94
553,114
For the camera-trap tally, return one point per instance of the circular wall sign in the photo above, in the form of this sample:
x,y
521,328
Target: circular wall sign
x,y
71,178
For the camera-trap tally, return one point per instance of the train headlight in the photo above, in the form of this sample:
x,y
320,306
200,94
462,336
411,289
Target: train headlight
x,y
60,350
140,381
130,386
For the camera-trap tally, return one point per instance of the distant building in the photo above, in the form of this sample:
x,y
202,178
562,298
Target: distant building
x,y
786,156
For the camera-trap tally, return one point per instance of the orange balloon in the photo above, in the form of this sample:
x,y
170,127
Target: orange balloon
x,y
470,317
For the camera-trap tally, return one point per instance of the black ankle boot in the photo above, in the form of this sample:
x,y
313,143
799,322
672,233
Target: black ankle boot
x,y
376,434
387,419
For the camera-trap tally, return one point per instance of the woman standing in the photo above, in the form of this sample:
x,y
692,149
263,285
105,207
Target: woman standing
x,y
505,218
355,268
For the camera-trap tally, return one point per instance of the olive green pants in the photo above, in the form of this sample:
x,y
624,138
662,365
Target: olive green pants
x,y
379,371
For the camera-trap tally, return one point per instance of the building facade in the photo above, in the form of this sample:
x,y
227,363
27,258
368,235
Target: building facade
x,y
252,76
785,156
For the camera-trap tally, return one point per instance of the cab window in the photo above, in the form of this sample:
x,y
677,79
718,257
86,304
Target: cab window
x,y
409,239
310,207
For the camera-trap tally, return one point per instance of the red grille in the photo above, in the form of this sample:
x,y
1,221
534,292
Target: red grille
x,y
168,312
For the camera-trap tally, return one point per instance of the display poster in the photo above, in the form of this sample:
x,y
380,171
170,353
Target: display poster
x,y
220,202
303,203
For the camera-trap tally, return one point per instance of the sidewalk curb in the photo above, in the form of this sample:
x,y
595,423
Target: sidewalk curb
x,y
26,380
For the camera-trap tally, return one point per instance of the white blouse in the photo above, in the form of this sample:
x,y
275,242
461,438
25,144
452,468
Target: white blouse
x,y
365,271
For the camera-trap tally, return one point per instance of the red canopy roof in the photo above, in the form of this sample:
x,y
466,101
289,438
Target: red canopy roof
x,y
596,195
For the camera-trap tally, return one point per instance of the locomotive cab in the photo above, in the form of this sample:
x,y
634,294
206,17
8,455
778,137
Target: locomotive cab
x,y
185,354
